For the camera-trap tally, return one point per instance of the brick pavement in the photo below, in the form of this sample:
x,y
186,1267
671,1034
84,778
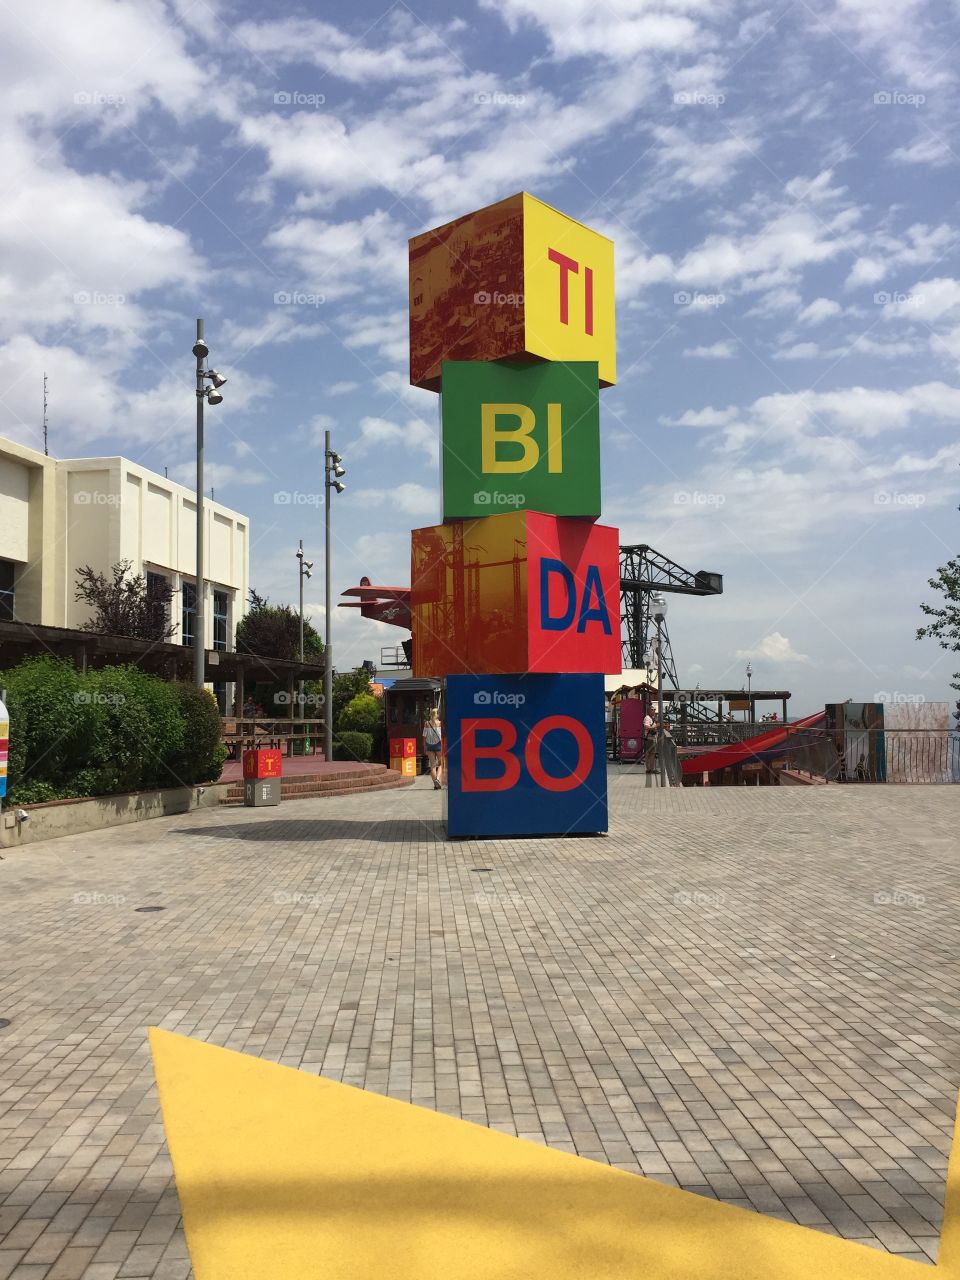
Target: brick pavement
x,y
749,993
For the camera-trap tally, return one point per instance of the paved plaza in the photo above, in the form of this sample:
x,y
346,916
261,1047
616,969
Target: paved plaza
x,y
753,994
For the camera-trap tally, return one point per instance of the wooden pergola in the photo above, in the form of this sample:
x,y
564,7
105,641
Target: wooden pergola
x,y
89,650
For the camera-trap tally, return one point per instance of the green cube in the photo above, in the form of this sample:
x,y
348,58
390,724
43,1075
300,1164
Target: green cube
x,y
520,437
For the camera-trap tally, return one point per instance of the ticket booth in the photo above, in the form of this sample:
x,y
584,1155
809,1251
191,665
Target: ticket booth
x,y
406,705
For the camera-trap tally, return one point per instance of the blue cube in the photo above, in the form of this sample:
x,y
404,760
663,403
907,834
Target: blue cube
x,y
526,755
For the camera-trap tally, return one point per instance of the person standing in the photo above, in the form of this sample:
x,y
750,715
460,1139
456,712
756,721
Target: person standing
x,y
649,742
433,745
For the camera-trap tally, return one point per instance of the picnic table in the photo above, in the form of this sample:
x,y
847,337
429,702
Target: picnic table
x,y
241,734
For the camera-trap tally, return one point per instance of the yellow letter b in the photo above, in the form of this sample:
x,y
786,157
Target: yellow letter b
x,y
492,435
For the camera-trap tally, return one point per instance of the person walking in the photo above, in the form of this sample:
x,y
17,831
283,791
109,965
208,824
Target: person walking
x,y
433,744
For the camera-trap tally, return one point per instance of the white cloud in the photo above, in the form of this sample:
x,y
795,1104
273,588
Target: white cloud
x,y
335,259
774,648
396,47
799,351
786,243
75,249
819,310
706,164
414,435
621,30
90,404
342,388
108,64
919,245
724,350
928,300
928,149
708,417
414,499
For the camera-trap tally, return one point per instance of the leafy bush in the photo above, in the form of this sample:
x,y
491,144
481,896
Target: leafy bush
x,y
140,728
353,745
362,713
52,722
201,756
35,793
106,731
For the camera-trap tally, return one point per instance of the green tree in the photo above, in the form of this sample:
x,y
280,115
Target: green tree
x,y
945,628
273,631
123,604
361,715
346,686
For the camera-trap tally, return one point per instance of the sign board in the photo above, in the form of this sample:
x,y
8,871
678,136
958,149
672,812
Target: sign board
x,y
262,763
4,748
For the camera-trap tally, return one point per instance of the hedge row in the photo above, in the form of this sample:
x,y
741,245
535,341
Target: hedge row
x,y
103,732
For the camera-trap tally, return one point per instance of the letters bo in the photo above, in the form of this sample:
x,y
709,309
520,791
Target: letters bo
x,y
527,755
520,437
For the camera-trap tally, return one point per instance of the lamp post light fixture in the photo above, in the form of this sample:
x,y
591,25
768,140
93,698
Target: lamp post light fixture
x,y
659,603
211,395
333,469
305,572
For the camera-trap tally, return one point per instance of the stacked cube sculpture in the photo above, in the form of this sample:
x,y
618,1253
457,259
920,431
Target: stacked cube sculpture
x,y
515,597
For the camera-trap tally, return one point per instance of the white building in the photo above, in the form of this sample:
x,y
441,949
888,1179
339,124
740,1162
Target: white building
x,y
57,515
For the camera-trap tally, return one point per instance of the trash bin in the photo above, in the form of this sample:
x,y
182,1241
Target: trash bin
x,y
261,776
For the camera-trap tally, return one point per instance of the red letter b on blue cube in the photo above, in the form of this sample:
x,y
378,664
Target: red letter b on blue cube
x,y
527,755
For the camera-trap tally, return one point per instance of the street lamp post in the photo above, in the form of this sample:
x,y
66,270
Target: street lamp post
x,y
332,471
305,567
750,711
659,603
212,396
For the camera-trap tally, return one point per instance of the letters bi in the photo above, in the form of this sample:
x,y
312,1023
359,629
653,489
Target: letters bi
x,y
593,606
494,435
505,752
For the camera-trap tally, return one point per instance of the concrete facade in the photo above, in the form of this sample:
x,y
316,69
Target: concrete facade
x,y
57,515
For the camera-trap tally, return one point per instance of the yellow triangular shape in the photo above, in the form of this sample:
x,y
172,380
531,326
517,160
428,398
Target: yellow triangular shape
x,y
287,1176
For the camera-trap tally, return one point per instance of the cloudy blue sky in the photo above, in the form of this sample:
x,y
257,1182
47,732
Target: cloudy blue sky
x,y
781,184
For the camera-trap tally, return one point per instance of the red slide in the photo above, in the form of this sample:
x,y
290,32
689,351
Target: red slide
x,y
735,752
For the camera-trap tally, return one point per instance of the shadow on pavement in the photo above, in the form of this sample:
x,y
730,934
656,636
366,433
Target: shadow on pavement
x,y
298,830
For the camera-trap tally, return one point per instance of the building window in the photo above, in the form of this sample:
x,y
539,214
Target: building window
x,y
156,592
7,569
188,595
221,607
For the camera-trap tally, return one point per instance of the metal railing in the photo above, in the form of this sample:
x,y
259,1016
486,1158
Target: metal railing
x,y
717,733
889,755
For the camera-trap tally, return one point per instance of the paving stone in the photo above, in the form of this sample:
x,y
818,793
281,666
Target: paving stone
x,y
772,1047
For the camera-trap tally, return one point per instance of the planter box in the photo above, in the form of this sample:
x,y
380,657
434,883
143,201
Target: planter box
x,y
91,813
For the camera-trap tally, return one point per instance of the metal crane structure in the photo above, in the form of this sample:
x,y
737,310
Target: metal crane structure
x,y
644,571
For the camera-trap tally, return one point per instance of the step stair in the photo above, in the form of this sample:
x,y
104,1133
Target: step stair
x,y
346,782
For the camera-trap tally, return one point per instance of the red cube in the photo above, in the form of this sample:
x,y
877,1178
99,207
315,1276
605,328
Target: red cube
x,y
516,592
403,747
262,763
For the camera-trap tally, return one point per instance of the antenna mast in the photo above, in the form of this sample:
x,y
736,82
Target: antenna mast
x,y
46,450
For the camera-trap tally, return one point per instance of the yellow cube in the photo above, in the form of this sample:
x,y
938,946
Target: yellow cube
x,y
516,281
